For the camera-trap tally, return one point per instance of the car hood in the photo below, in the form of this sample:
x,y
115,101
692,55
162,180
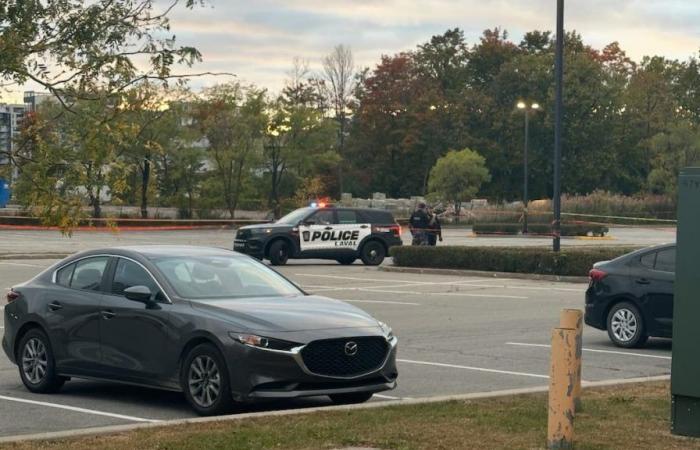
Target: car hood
x,y
261,226
287,314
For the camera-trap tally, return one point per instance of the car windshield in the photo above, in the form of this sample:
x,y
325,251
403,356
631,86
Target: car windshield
x,y
295,216
223,277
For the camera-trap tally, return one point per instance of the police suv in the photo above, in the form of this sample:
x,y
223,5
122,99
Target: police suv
x,y
322,232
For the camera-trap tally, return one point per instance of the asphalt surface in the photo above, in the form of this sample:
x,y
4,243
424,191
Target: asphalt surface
x,y
22,242
457,335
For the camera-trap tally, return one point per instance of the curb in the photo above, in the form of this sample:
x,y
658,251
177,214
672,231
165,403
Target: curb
x,y
236,417
34,256
482,273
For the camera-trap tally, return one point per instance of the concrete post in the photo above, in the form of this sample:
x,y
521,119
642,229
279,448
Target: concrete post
x,y
573,318
560,422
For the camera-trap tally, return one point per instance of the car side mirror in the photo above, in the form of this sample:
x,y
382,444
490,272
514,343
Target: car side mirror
x,y
307,223
139,294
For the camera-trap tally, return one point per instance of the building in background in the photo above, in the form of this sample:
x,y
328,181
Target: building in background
x,y
11,116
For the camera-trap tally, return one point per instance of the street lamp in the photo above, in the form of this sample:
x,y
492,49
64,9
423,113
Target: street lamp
x,y
526,108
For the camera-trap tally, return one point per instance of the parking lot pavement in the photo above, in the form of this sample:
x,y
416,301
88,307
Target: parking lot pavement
x,y
19,242
457,335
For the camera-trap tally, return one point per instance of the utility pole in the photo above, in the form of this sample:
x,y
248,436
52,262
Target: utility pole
x,y
558,112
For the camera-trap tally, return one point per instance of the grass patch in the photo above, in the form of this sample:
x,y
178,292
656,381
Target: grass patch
x,y
631,416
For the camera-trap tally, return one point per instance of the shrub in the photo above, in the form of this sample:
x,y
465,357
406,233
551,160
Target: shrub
x,y
540,260
567,229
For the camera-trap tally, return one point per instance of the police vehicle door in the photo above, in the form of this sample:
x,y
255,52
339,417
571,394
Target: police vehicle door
x,y
329,230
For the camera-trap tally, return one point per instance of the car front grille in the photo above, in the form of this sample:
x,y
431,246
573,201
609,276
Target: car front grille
x,y
336,358
243,234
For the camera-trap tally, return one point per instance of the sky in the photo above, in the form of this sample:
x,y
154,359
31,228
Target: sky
x,y
258,39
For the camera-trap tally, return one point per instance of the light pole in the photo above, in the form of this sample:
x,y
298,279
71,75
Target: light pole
x,y
526,108
558,114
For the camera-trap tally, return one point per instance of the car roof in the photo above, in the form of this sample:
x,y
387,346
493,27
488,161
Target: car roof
x,y
155,251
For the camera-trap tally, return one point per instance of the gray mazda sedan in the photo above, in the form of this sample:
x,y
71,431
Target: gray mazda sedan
x,y
219,326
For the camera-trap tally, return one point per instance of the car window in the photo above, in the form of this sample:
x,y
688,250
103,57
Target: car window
x,y
64,275
222,277
346,216
128,274
648,260
666,260
88,273
322,217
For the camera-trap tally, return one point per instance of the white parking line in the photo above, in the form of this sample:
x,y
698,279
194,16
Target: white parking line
x,y
382,290
19,264
593,350
417,283
73,408
381,301
477,369
390,397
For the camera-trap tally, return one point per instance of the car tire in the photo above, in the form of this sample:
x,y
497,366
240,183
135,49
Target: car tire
x,y
37,366
350,399
372,253
205,382
346,260
279,253
626,326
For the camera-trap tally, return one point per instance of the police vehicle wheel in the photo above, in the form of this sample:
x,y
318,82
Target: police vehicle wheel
x,y
372,253
279,253
346,261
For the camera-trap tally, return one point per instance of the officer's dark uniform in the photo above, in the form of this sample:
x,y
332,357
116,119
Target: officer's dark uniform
x,y
419,222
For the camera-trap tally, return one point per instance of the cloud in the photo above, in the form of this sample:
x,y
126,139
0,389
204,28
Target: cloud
x,y
257,40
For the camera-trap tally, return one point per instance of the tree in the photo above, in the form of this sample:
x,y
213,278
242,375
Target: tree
x,y
339,74
66,46
232,118
674,150
300,140
69,159
458,176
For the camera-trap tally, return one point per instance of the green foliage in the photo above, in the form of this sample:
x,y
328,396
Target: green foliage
x,y
458,175
539,260
66,46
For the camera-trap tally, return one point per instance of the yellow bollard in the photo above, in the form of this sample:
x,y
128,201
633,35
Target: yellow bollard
x,y
562,377
573,318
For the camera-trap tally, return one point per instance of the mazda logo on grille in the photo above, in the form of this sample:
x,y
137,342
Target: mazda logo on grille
x,y
351,348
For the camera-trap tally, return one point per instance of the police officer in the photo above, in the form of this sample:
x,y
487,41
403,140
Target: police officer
x,y
434,231
419,223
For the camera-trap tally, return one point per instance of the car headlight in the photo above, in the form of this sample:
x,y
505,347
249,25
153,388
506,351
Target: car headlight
x,y
254,340
386,329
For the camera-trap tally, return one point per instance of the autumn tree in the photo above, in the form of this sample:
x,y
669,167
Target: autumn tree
x,y
232,119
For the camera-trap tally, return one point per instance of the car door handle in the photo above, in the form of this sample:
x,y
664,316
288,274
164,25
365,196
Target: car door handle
x,y
328,228
364,226
55,306
108,314
642,281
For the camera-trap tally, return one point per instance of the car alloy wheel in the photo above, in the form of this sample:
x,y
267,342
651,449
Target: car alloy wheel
x,y
34,361
373,253
204,381
624,325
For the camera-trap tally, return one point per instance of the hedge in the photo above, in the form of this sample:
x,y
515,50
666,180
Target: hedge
x,y
567,229
540,260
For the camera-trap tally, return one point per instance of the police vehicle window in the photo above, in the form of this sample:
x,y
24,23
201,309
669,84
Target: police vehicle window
x,y
64,275
648,260
666,260
129,274
346,216
322,217
295,216
88,273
